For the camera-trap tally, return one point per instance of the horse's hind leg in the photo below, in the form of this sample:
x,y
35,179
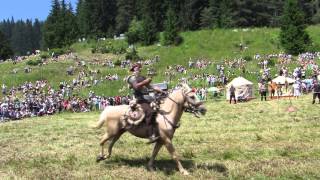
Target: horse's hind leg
x,y
104,139
114,140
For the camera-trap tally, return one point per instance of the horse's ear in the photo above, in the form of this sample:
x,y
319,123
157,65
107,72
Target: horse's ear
x,y
186,88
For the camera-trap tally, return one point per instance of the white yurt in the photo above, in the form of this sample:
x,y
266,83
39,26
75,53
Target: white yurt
x,y
244,88
282,80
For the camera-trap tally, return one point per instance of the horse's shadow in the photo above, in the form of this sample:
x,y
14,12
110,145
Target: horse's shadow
x,y
168,166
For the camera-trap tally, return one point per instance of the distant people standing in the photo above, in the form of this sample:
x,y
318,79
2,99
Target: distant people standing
x,y
296,89
286,84
263,90
4,89
279,90
273,87
316,91
232,91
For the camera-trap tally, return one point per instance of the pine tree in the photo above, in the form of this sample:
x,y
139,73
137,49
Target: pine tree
x,y
60,28
52,27
70,27
225,16
171,30
82,18
149,31
293,36
149,26
126,12
214,6
135,31
206,18
190,13
36,34
19,38
5,50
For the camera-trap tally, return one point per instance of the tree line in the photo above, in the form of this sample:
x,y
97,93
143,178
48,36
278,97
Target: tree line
x,y
142,20
22,37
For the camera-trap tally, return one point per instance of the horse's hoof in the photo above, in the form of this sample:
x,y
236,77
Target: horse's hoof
x,y
100,158
185,172
151,168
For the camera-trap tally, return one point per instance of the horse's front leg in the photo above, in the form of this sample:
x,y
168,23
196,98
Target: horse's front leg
x,y
174,156
156,149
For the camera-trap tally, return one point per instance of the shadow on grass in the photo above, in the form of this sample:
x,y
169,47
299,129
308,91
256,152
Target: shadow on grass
x,y
168,166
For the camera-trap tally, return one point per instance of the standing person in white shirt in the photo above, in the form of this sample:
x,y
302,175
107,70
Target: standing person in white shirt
x,y
296,89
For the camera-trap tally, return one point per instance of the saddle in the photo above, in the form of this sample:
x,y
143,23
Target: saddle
x,y
135,115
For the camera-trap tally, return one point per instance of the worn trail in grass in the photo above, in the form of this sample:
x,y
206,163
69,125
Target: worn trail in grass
x,y
247,140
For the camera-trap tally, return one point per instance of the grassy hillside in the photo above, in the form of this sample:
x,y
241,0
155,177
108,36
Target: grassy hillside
x,y
214,45
250,140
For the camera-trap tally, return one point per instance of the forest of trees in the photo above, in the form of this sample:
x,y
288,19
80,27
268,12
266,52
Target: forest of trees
x,y
142,20
23,36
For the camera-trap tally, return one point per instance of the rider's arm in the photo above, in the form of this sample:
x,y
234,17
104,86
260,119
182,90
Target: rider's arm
x,y
156,89
139,85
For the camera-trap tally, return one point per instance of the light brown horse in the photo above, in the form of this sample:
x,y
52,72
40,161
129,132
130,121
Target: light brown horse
x,y
167,120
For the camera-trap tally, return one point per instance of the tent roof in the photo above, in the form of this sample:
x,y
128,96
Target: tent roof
x,y
282,80
239,81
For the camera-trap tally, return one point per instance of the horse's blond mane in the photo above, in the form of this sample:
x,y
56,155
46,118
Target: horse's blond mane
x,y
185,88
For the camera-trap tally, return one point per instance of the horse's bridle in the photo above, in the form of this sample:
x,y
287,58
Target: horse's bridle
x,y
190,108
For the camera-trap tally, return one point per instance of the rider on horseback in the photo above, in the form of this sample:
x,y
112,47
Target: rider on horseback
x,y
141,88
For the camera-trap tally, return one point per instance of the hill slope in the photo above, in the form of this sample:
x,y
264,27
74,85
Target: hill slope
x,y
214,45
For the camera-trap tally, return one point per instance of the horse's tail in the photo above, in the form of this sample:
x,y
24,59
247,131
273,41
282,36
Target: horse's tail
x,y
102,119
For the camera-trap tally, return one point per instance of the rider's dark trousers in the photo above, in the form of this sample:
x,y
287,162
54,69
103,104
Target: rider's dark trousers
x,y
149,118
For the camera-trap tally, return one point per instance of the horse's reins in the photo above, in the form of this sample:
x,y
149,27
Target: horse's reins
x,y
165,117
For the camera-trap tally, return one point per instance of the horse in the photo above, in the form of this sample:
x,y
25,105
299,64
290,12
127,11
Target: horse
x,y
167,121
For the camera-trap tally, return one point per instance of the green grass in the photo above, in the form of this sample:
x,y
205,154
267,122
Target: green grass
x,y
258,140
53,72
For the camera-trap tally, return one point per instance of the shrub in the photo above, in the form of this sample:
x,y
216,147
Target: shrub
x,y
34,62
314,47
117,63
132,55
248,58
57,51
135,31
178,40
104,50
272,62
44,55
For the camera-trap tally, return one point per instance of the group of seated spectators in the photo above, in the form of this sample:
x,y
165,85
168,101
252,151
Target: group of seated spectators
x,y
39,99
200,63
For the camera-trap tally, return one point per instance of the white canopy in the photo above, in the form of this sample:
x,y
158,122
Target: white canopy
x,y
243,88
239,81
282,80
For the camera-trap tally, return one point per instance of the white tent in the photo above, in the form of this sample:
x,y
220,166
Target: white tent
x,y
244,88
282,80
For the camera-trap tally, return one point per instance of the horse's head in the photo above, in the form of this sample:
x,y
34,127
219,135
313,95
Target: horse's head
x,y
191,101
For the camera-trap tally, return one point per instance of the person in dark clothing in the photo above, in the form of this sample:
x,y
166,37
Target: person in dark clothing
x,y
141,87
232,94
316,91
263,90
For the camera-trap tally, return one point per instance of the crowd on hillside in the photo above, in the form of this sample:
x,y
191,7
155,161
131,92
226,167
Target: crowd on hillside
x,y
39,99
305,73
